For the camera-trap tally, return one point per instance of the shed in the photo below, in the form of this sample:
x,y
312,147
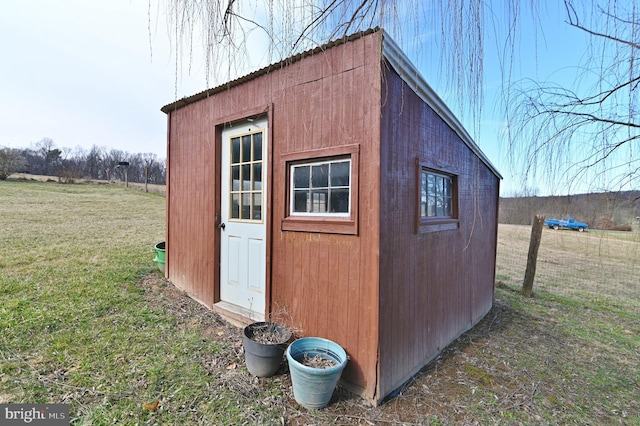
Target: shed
x,y
336,189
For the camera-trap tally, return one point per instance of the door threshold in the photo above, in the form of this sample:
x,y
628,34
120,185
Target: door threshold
x,y
236,315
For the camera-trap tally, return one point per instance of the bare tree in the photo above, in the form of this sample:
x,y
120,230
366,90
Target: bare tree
x,y
598,123
588,133
49,154
10,162
228,32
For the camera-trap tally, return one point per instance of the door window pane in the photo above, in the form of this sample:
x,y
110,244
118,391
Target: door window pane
x,y
235,206
235,150
246,177
257,207
257,177
257,147
246,148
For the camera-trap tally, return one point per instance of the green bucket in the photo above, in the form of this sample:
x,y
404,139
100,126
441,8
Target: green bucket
x,y
160,251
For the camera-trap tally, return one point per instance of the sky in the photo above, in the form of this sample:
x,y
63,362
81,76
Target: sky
x,y
85,72
97,72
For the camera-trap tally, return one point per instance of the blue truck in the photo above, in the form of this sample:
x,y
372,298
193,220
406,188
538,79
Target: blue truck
x,y
566,223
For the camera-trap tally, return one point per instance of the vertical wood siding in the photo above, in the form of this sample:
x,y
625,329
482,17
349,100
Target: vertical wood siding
x,y
326,283
433,286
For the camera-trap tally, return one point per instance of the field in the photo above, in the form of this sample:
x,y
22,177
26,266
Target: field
x,y
86,320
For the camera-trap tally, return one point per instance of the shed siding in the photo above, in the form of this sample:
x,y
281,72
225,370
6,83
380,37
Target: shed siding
x,y
327,283
191,201
433,286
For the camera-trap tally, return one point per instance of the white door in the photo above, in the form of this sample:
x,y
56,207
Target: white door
x,y
243,222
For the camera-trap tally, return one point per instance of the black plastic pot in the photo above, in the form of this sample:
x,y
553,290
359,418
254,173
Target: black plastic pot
x,y
264,359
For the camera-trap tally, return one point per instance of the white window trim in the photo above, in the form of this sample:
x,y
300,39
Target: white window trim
x,y
317,163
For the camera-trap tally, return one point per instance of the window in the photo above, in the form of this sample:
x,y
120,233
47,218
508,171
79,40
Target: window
x,y
437,200
435,196
246,177
322,190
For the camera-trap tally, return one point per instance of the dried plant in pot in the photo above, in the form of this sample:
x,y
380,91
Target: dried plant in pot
x,y
264,346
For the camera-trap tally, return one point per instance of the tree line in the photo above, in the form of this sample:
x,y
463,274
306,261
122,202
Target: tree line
x,y
70,165
604,210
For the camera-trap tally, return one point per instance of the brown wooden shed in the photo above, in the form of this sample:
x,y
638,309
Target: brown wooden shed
x,y
335,188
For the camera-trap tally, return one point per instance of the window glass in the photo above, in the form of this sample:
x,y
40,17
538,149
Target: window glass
x,y
235,206
321,188
257,147
301,177
320,176
340,201
300,201
257,207
436,195
340,174
257,177
246,148
235,150
246,177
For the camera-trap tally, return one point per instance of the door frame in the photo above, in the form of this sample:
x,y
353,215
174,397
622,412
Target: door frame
x,y
229,121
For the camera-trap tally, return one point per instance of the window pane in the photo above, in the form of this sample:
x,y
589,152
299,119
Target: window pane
x,y
301,177
300,201
257,177
423,194
431,195
340,174
320,176
257,207
246,206
246,177
257,147
339,201
235,150
319,201
235,178
246,148
235,206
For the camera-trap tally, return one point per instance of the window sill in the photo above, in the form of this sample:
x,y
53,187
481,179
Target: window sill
x,y
437,225
326,225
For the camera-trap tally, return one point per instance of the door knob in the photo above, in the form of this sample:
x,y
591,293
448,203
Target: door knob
x,y
222,226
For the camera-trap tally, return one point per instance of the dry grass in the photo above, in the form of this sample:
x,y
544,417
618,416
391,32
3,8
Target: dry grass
x,y
85,320
587,266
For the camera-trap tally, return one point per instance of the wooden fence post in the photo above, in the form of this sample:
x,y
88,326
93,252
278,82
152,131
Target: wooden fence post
x,y
532,258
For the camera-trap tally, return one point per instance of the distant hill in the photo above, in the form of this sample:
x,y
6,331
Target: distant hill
x,y
600,210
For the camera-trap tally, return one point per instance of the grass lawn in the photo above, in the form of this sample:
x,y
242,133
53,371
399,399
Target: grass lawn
x,y
86,319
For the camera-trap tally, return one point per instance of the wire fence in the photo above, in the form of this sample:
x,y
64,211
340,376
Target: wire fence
x,y
595,266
